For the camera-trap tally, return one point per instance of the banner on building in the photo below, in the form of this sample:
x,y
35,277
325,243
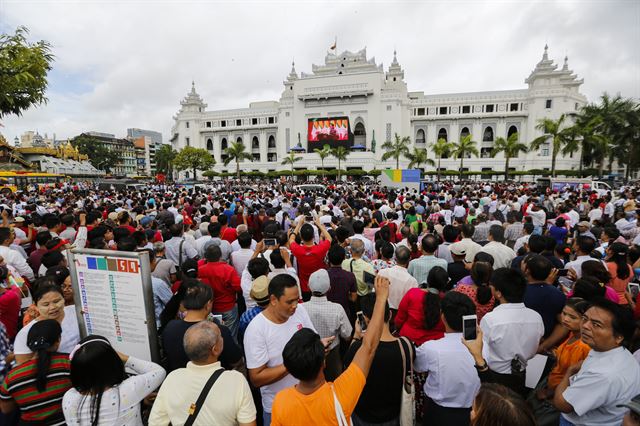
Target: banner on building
x,y
334,131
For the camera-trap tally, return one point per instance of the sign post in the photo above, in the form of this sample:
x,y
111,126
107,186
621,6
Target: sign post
x,y
114,298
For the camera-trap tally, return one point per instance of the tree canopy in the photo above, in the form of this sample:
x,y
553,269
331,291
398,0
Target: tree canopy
x,y
194,159
99,155
23,72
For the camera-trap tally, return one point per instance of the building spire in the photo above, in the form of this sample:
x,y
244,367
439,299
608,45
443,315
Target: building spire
x,y
545,56
565,67
193,86
395,59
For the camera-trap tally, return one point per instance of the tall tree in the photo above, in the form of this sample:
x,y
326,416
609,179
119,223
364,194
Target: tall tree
x,y
164,159
195,159
291,159
553,131
441,148
465,147
397,148
99,155
236,152
341,153
323,153
511,147
23,72
418,157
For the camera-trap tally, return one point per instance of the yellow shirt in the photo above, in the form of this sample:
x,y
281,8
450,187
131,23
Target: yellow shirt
x,y
229,401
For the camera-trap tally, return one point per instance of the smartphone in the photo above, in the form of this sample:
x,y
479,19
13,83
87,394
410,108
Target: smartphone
x,y
566,283
269,242
634,289
361,321
218,318
562,272
470,327
308,218
369,279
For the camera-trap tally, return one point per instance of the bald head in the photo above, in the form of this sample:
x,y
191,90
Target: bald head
x,y
357,247
241,229
203,343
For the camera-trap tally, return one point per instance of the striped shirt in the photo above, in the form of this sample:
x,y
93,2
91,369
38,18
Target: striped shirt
x,y
45,408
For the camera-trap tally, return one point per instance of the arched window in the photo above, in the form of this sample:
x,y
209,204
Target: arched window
x,y
487,136
239,139
359,135
420,138
272,142
255,143
209,145
442,134
512,130
224,144
464,132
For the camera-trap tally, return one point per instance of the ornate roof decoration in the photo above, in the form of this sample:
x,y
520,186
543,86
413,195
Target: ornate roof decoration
x,y
345,63
193,98
547,68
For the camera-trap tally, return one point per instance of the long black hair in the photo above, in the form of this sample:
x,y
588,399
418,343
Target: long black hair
x,y
619,252
42,336
481,274
95,367
437,281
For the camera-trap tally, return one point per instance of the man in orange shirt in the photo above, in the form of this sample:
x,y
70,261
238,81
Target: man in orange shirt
x,y
314,400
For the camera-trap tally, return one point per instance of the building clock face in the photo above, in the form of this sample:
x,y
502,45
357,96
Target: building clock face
x,y
501,108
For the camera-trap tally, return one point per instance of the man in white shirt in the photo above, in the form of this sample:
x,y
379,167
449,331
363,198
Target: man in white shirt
x,y
235,245
502,254
466,244
358,229
538,216
583,247
240,258
229,400
452,383
266,336
591,393
511,332
12,257
177,249
400,280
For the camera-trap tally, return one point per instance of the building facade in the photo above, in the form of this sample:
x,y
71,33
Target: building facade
x,y
147,142
378,106
127,163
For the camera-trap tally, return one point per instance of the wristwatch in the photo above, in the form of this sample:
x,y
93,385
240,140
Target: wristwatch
x,y
482,367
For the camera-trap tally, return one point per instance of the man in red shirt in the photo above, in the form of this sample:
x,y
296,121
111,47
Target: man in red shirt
x,y
225,282
309,255
227,233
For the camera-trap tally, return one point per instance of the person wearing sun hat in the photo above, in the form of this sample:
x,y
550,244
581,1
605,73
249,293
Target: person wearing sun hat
x,y
260,294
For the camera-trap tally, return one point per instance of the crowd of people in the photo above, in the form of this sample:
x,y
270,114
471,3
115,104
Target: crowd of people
x,y
343,304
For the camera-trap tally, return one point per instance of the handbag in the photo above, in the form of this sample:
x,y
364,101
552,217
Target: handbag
x,y
407,401
179,272
195,408
342,419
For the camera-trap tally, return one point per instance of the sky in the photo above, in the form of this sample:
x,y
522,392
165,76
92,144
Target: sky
x,y
121,64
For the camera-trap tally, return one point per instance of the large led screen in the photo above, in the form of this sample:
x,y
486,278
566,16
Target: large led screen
x,y
334,131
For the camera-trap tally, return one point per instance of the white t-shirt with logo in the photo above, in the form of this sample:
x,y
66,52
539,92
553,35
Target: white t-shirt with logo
x,y
264,341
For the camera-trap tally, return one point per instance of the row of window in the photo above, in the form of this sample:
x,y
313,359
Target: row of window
x,y
467,109
255,143
488,135
238,122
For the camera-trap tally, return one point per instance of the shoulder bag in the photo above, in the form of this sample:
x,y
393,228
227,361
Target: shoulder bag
x,y
194,409
407,402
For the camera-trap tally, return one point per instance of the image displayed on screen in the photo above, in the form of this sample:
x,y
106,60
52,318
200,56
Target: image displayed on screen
x,y
332,131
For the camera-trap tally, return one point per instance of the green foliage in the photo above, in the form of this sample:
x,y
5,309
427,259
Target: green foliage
x,y
397,148
418,157
441,148
236,152
99,155
23,72
511,147
190,158
164,159
465,147
341,153
323,153
291,159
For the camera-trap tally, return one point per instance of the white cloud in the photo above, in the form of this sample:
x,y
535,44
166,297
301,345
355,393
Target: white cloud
x,y
128,64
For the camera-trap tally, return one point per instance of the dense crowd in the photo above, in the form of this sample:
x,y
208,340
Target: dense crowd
x,y
350,303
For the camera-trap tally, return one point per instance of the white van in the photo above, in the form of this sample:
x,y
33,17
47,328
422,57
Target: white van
x,y
559,184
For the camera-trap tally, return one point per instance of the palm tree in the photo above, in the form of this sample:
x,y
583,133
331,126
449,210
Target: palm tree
x,y
465,147
341,154
291,159
511,148
236,153
417,157
323,153
164,159
396,149
552,131
440,148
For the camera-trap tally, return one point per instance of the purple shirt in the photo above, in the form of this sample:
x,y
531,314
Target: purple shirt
x,y
342,284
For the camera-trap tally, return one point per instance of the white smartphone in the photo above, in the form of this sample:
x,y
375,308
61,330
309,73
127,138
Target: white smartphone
x,y
218,318
634,289
469,327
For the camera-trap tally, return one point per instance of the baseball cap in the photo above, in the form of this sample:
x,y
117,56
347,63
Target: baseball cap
x,y
585,224
458,249
319,281
260,289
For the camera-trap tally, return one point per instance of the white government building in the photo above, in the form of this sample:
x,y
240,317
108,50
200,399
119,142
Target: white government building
x,y
378,105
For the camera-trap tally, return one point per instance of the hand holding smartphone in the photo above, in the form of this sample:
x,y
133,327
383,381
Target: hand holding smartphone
x,y
361,321
470,327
